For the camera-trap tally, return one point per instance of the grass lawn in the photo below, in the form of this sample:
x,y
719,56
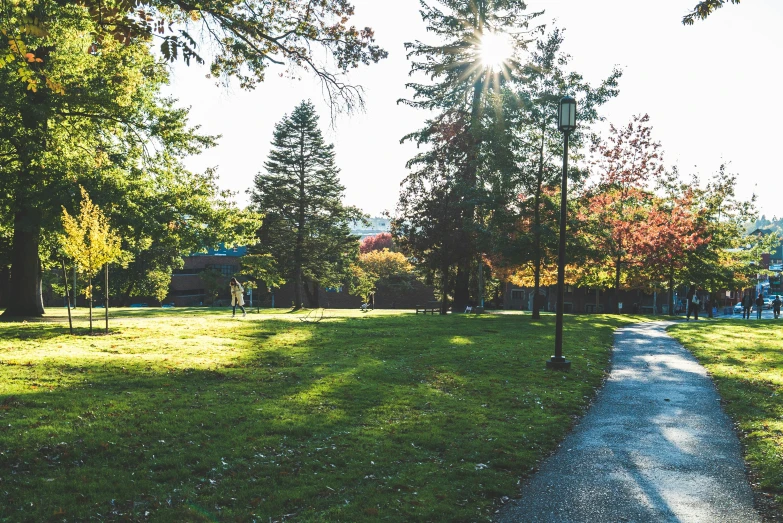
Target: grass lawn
x,y
188,415
745,359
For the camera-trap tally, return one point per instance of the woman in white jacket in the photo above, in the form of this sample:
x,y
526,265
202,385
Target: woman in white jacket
x,y
237,297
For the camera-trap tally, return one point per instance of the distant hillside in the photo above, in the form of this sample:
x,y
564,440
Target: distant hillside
x,y
775,225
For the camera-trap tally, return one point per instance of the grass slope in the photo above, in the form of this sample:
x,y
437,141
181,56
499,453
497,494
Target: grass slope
x,y
188,415
745,359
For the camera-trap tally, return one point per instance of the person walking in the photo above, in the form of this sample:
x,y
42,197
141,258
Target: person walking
x,y
693,304
759,306
776,303
747,304
237,298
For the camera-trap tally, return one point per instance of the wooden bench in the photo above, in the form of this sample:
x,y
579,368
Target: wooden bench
x,y
431,307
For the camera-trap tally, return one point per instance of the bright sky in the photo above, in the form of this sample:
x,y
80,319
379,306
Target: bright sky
x,y
710,91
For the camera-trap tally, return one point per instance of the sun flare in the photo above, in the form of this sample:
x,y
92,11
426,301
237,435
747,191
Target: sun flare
x,y
495,50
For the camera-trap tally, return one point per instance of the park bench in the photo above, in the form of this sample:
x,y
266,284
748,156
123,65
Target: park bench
x,y
432,307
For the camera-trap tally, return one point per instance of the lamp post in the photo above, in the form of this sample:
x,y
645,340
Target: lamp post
x,y
566,120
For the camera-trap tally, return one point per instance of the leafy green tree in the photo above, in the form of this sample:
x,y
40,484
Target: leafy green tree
x,y
262,272
90,242
428,224
164,214
528,230
117,139
704,9
306,226
245,38
467,70
380,267
729,259
213,281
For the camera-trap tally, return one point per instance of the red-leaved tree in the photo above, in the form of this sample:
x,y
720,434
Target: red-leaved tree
x,y
628,162
376,243
671,230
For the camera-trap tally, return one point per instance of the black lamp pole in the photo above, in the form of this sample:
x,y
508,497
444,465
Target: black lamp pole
x,y
566,123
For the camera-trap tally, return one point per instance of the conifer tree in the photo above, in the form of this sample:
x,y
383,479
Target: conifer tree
x,y
476,55
306,225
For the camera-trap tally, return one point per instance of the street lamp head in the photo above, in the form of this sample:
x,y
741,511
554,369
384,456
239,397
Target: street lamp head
x,y
566,117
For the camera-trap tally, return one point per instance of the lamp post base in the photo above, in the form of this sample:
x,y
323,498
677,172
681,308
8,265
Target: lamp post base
x,y
556,363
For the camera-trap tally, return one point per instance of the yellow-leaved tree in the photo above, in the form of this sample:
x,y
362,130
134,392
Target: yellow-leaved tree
x,y
89,240
385,267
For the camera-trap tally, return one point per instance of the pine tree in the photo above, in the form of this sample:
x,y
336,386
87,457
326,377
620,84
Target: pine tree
x,y
467,69
306,225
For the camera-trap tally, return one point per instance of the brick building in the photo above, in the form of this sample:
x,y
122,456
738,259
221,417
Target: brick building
x,y
188,289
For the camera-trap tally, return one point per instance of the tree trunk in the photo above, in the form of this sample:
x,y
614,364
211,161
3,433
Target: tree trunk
x,y
91,293
617,285
444,284
537,229
106,302
26,298
5,280
313,297
671,290
67,298
462,288
462,282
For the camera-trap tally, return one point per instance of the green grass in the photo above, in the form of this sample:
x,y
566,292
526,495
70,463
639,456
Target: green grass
x,y
188,415
745,359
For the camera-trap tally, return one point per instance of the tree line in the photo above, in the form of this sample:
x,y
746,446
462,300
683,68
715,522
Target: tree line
x,y
82,108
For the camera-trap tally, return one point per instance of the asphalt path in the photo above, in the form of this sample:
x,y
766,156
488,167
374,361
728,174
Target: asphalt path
x,y
655,447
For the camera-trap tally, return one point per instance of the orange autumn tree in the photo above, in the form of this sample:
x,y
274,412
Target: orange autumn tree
x,y
627,163
672,229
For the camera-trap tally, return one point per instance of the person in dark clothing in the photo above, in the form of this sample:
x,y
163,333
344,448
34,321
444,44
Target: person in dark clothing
x,y
759,306
776,303
747,304
693,304
708,306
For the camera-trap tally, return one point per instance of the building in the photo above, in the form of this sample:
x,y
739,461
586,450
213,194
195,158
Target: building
x,y
188,289
377,226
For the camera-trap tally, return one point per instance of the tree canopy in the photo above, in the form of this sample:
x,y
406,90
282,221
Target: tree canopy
x,y
103,125
243,39
704,9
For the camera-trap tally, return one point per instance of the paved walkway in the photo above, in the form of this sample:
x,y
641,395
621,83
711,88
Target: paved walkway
x,y
655,447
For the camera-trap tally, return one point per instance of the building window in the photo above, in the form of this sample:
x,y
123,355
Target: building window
x,y
225,270
517,294
568,289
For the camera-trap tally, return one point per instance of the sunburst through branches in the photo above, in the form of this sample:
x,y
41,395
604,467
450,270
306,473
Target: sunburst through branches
x,y
495,50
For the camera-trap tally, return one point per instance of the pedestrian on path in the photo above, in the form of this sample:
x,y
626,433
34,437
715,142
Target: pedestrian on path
x,y
776,303
759,306
747,304
693,304
237,298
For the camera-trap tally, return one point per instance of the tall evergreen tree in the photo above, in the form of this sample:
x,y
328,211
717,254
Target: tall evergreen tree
x,y
704,9
306,226
479,40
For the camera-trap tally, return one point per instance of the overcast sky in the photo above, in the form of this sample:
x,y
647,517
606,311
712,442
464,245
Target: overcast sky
x,y
711,90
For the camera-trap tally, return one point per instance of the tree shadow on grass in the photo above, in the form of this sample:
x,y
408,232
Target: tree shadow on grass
x,y
296,422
